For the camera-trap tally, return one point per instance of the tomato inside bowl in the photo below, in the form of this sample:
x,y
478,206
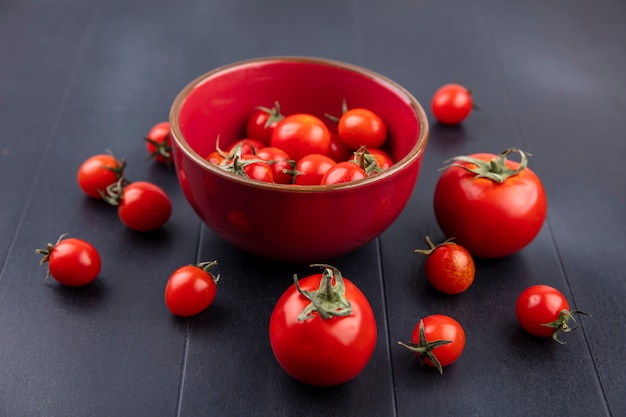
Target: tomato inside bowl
x,y
293,223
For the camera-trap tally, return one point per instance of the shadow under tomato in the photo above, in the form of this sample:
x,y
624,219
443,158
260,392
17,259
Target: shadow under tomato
x,y
85,298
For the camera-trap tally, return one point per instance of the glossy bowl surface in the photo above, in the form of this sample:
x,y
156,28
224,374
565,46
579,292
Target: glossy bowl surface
x,y
290,222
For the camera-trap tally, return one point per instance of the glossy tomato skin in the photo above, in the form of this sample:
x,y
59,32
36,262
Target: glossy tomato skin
x,y
322,352
451,104
343,172
311,169
74,262
159,143
301,134
189,291
442,327
279,162
96,173
259,171
490,219
247,146
261,124
144,206
450,269
361,127
538,305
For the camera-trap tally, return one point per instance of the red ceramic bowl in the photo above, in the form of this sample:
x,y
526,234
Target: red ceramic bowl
x,y
290,222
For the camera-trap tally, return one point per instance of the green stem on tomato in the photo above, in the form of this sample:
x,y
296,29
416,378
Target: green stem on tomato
x,y
495,169
329,300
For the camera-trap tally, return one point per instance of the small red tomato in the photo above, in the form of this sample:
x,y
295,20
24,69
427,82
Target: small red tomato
x,y
191,289
159,143
449,267
98,172
437,340
300,135
361,127
338,150
322,329
72,262
452,103
343,172
216,157
279,162
141,206
256,169
245,146
544,311
311,168
262,122
372,160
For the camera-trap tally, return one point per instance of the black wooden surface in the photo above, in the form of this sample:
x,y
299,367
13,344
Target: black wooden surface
x,y
78,77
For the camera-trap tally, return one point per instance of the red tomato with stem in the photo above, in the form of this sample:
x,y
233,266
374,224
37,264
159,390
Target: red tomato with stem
x,y
372,160
262,122
361,127
300,135
543,311
343,172
492,206
159,143
243,147
191,289
98,172
72,262
311,169
255,168
279,162
452,103
141,206
449,267
326,342
437,340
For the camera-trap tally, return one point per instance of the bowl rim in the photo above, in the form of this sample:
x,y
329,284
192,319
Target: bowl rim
x,y
410,157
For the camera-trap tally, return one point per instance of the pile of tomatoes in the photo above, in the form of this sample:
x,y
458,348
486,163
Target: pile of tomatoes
x,y
301,149
322,329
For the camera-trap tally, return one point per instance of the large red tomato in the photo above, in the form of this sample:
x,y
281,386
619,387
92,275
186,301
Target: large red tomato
x,y
492,206
327,345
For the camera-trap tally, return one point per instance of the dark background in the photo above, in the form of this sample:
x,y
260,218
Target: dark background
x,y
78,77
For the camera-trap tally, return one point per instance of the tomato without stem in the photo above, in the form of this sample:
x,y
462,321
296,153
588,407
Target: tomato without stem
x,y
492,206
343,172
191,289
159,143
311,169
98,172
449,267
325,345
300,135
437,340
72,262
544,311
452,103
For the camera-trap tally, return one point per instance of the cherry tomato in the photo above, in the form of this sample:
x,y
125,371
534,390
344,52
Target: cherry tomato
x,y
142,206
343,172
217,158
338,151
492,206
449,267
72,262
159,143
327,345
279,162
311,168
437,340
544,311
300,135
98,172
256,169
452,103
243,147
372,160
262,122
191,289
361,127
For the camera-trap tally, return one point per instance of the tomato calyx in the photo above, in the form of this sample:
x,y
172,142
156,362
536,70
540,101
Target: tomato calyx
x,y
48,251
237,165
162,149
118,169
205,266
274,114
329,300
561,323
432,247
495,169
113,193
366,160
424,348
344,108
